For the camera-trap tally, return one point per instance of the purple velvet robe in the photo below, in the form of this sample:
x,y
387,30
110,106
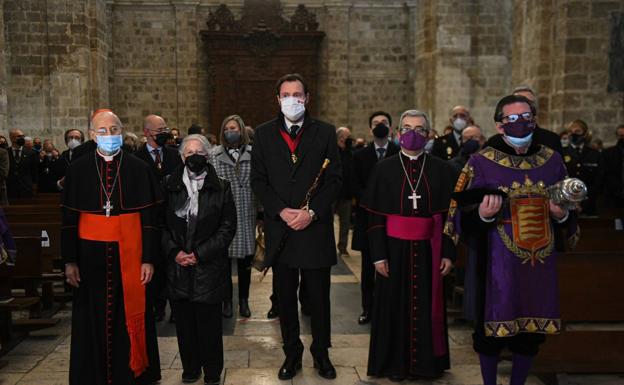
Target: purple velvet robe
x,y
519,277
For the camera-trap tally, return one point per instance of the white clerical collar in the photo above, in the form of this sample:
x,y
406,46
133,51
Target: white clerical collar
x,y
412,157
107,158
290,124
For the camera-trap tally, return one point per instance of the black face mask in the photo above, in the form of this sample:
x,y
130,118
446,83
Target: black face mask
x,y
470,146
162,138
196,163
577,139
381,131
37,147
20,141
4,145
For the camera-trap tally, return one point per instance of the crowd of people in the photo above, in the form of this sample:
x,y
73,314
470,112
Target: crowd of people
x,y
162,217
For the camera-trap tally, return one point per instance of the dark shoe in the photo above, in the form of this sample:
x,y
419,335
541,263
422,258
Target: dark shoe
x,y
212,380
227,309
243,308
325,367
364,318
273,313
188,377
289,368
396,378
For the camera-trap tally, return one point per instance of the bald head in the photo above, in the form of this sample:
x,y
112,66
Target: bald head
x,y
152,122
105,123
472,132
152,126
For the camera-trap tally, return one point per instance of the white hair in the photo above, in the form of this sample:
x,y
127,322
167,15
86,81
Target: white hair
x,y
416,113
197,137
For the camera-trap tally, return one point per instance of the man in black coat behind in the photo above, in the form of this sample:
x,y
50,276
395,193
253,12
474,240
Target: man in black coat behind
x,y
23,167
363,162
288,154
163,161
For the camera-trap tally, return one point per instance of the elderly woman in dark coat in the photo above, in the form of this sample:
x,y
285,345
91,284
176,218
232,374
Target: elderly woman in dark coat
x,y
200,225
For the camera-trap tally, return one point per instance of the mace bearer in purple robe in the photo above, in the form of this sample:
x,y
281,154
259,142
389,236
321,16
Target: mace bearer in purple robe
x,y
510,203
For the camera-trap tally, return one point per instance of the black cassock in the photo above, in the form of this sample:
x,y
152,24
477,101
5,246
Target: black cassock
x,y
402,342
100,345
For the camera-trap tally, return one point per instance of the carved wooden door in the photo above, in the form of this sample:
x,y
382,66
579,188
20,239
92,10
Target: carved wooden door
x,y
246,57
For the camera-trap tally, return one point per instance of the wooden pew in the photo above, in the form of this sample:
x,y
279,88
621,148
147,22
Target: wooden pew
x,y
27,269
592,308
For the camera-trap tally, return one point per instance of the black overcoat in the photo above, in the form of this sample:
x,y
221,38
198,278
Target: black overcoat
x,y
279,183
363,162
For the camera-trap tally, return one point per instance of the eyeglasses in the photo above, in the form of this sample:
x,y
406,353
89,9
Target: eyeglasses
x,y
419,129
163,130
514,117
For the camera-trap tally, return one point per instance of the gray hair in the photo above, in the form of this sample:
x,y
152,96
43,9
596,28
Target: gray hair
x,y
197,137
529,89
416,113
131,135
340,130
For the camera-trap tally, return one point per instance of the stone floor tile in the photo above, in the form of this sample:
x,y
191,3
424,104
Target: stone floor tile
x,y
266,358
20,363
252,342
253,376
10,378
54,362
310,376
236,358
366,380
257,328
45,378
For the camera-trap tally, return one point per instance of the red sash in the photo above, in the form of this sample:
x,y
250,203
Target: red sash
x,y
126,230
292,143
419,229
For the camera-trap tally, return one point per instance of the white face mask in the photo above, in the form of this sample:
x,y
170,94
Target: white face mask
x,y
73,143
459,124
292,108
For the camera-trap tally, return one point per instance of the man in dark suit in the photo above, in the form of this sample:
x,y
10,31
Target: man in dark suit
x,y
73,139
584,163
23,167
447,147
613,161
288,154
363,162
163,160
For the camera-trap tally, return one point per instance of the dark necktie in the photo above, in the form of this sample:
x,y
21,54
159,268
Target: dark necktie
x,y
157,159
380,152
17,155
293,131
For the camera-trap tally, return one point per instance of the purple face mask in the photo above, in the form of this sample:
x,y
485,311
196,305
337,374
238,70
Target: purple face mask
x,y
412,141
519,128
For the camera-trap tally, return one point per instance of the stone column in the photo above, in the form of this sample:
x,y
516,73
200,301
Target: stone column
x,y
334,73
186,43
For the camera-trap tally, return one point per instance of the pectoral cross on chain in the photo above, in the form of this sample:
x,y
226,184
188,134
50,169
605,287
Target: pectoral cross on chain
x,y
108,207
414,198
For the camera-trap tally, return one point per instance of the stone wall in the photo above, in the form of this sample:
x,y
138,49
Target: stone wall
x,y
60,59
568,62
